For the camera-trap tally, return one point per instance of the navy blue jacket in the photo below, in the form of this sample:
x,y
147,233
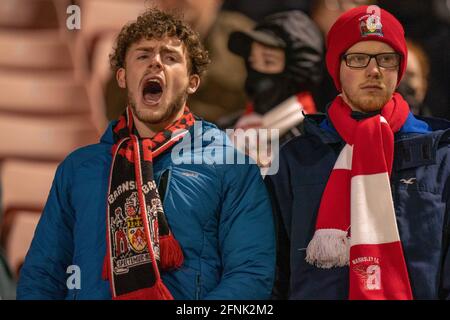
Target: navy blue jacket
x,y
420,188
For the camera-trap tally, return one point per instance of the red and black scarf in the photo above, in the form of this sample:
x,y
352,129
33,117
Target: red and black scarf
x,y
140,243
358,200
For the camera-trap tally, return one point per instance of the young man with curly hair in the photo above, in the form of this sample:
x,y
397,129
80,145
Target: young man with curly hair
x,y
131,222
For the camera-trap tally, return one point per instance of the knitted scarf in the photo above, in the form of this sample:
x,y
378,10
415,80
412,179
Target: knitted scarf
x,y
358,194
139,240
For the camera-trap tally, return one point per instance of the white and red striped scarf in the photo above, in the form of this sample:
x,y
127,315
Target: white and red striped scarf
x,y
358,194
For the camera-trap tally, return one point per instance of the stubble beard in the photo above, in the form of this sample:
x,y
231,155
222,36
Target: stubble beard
x,y
368,103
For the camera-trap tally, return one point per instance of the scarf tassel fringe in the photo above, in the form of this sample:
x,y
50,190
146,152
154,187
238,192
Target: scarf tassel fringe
x,y
328,248
171,255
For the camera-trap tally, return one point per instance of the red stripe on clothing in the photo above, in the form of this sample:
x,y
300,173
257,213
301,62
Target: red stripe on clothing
x,y
336,202
378,272
368,156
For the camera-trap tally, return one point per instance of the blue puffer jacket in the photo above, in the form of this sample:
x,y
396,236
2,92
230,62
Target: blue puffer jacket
x,y
220,214
421,192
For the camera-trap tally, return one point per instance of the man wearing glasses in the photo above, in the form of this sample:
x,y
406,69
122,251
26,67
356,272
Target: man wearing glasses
x,y
362,198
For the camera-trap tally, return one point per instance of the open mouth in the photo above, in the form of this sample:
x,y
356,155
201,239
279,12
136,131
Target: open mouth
x,y
152,91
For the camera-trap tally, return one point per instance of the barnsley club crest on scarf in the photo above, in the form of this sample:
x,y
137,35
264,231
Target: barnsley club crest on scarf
x,y
357,201
140,243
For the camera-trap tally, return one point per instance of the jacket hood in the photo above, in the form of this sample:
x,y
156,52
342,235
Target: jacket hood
x,y
294,32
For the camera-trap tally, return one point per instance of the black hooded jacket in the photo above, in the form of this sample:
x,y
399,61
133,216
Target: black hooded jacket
x,y
302,42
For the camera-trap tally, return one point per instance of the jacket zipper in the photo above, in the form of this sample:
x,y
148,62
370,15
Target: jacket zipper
x,y
198,287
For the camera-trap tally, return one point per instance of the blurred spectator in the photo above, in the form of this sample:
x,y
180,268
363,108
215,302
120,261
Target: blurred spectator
x,y
414,84
258,9
427,22
284,60
442,10
221,90
7,284
324,13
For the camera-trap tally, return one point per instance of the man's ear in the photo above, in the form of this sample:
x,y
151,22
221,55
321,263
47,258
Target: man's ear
x,y
121,78
194,83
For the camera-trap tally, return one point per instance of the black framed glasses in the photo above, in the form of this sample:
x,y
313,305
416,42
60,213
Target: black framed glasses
x,y
362,60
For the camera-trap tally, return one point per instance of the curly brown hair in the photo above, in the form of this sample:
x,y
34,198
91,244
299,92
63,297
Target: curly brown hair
x,y
157,24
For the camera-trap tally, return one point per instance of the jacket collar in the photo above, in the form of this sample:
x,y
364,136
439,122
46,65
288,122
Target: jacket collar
x,y
319,125
411,149
108,137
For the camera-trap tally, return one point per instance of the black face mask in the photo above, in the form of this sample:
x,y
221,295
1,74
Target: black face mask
x,y
268,90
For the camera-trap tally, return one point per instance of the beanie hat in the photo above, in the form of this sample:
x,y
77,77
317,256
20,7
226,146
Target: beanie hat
x,y
363,24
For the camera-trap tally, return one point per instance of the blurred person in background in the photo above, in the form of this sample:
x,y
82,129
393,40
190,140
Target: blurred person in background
x,y
136,224
257,10
7,283
221,92
414,84
428,24
362,198
326,12
284,59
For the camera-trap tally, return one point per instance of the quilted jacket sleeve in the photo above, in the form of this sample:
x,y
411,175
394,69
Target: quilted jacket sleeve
x,y
246,236
279,189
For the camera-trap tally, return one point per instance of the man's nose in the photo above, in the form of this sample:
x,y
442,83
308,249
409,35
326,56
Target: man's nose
x,y
372,69
155,62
